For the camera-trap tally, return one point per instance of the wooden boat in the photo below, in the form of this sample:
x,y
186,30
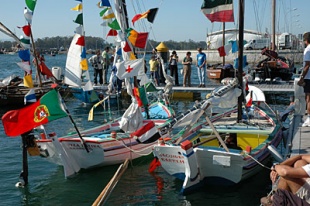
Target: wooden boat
x,y
274,66
229,149
203,156
108,144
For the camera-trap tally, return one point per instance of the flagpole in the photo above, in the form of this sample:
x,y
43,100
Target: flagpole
x,y
35,56
72,121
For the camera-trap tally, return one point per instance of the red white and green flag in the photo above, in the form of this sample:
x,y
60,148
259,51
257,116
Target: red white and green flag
x,y
218,10
48,108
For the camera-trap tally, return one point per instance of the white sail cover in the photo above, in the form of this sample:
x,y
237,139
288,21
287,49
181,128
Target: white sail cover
x,y
132,119
73,69
257,94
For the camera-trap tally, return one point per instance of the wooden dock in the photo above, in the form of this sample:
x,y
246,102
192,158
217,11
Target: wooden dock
x,y
285,87
299,137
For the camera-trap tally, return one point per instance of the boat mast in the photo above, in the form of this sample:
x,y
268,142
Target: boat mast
x,y
273,46
223,43
240,57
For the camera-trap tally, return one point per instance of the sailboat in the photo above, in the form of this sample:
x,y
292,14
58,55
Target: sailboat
x,y
131,136
14,91
227,148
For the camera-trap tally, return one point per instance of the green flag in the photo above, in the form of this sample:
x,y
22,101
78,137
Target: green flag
x,y
31,4
79,19
114,25
103,11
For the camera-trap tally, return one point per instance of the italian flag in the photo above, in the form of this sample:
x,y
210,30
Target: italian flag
x,y
218,10
48,108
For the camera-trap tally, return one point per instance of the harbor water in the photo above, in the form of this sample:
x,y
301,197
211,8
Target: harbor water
x,y
47,185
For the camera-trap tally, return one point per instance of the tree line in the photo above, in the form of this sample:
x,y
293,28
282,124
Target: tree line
x,y
92,43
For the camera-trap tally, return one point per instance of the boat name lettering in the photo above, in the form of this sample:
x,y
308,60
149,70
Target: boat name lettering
x,y
171,156
172,160
80,146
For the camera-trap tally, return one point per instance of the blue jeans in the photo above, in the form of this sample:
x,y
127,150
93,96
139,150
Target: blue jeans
x,y
201,75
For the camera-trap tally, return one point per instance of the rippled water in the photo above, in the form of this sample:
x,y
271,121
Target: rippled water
x,y
47,185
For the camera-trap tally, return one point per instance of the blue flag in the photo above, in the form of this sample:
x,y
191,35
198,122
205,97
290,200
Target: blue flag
x,y
234,46
24,54
236,64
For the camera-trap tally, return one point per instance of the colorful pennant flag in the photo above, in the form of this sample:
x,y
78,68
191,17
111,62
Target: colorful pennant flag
x,y
149,15
31,4
114,25
28,81
45,70
108,14
25,41
130,68
24,55
30,96
81,41
79,19
104,3
84,64
112,32
234,46
79,30
137,39
83,54
224,50
236,62
78,7
28,15
48,108
219,10
26,29
103,12
25,66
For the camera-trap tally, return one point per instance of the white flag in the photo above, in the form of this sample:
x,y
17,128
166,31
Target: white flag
x,y
28,15
130,68
24,66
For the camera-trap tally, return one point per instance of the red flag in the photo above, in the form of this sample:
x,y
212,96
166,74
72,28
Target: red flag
x,y
112,32
221,51
249,103
26,29
81,41
48,108
127,47
45,70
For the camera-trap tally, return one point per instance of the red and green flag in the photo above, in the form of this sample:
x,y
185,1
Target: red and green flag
x,y
48,108
219,10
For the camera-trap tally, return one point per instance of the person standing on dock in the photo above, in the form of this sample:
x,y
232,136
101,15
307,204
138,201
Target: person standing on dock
x,y
187,63
305,76
201,67
173,64
105,64
96,62
154,70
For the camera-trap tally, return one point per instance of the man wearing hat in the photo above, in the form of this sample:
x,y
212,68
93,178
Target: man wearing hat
x,y
305,76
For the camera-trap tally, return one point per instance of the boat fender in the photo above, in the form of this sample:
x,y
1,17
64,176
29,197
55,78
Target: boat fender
x,y
113,134
276,155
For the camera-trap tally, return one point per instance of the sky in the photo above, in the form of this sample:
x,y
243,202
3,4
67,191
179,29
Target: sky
x,y
178,20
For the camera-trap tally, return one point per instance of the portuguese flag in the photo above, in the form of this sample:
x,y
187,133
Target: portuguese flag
x,y
48,108
219,10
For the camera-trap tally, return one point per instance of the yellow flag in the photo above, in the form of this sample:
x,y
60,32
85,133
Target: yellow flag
x,y
28,81
132,56
109,14
84,64
79,7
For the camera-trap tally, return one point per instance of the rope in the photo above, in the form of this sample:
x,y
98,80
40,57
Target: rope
x,y
139,152
246,154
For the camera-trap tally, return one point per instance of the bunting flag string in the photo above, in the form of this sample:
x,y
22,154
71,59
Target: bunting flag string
x,y
78,7
103,3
